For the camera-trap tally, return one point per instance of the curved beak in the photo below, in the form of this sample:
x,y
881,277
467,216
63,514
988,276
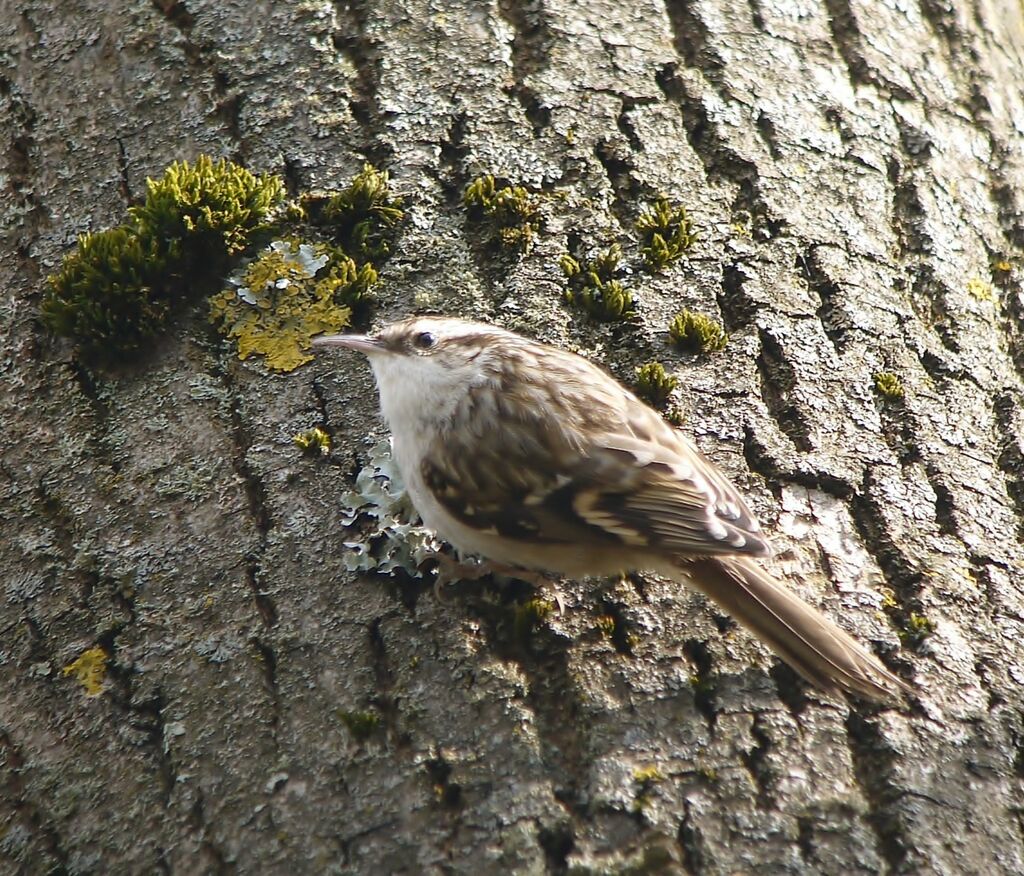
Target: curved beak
x,y
361,343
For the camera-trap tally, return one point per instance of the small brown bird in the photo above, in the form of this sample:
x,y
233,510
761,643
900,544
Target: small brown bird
x,y
533,457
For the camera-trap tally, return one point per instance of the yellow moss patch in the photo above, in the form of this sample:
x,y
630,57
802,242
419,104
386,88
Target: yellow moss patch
x,y
313,441
89,669
291,293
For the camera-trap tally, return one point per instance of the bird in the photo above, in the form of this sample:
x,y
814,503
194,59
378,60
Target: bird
x,y
533,457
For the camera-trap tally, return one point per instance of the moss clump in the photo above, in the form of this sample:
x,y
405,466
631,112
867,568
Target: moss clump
x,y
889,386
697,333
114,294
360,724
314,442
666,232
592,286
292,292
646,778
916,630
529,615
111,295
607,625
208,210
648,775
364,219
654,384
89,669
511,211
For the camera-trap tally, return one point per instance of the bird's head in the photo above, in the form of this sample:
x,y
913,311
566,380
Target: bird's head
x,y
425,364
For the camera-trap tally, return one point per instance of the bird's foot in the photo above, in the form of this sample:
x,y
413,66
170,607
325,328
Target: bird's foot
x,y
450,570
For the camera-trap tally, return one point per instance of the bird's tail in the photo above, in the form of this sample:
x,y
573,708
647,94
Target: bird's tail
x,y
808,641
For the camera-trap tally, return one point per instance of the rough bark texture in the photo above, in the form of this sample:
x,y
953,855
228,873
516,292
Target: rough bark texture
x,y
852,164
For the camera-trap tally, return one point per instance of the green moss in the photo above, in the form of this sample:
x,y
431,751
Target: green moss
x,y
510,211
606,624
917,629
364,219
360,724
89,669
592,286
654,384
889,386
697,333
114,294
207,210
646,778
111,295
292,292
315,442
529,615
666,233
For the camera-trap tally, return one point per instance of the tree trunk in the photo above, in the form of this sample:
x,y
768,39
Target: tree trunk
x,y
856,173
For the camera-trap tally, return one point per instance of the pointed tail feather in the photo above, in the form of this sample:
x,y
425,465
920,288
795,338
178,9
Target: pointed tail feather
x,y
809,642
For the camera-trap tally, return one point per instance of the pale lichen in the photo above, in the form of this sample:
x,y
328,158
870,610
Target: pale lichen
x,y
382,530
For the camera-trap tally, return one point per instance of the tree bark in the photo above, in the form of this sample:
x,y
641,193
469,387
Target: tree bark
x,y
855,168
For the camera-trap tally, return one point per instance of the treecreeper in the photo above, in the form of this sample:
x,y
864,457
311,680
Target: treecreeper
x,y
533,457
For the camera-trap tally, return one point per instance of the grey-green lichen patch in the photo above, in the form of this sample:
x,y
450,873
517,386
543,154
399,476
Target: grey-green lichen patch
x,y
382,526
191,481
666,233
594,287
510,211
697,333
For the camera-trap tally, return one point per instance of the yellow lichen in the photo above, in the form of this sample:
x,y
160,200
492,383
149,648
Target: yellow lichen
x,y
292,292
981,290
89,669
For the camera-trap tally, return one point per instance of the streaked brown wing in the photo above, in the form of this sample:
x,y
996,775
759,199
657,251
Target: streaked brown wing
x,y
550,487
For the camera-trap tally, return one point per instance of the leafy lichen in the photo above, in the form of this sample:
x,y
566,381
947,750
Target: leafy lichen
x,y
889,386
292,292
666,233
511,211
654,384
697,333
593,287
980,289
364,218
89,669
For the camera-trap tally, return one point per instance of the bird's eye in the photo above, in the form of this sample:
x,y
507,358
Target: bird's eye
x,y
424,340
